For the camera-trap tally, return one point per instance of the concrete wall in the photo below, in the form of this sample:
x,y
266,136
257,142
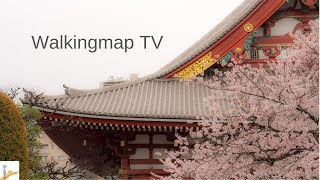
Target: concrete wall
x,y
284,26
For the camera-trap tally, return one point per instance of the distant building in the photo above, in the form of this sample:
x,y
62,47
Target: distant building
x,y
115,80
50,152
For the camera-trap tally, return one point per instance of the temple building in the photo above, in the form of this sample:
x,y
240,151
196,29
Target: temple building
x,y
118,128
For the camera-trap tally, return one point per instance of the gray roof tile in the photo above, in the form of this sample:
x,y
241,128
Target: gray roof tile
x,y
169,98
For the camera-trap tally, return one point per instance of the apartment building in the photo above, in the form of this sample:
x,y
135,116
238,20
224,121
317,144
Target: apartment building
x,y
50,152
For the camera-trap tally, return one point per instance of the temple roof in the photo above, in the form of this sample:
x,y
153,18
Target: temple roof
x,y
152,96
158,98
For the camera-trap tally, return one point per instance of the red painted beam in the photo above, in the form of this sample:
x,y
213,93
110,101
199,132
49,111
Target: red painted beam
x,y
144,161
167,146
124,122
300,13
147,171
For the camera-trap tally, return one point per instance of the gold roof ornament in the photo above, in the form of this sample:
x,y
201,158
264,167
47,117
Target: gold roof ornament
x,y
238,50
248,27
197,67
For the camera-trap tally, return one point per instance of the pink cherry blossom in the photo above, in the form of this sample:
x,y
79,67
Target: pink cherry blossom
x,y
270,129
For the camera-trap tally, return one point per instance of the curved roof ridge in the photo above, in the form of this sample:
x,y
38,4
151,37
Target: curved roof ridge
x,y
226,25
73,92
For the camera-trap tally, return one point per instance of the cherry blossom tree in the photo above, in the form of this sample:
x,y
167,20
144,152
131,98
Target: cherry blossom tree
x,y
269,131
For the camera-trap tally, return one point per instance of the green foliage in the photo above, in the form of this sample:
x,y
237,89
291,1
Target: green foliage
x,y
13,144
31,116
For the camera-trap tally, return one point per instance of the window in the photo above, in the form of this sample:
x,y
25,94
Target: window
x,y
52,146
44,158
44,149
60,158
44,146
254,54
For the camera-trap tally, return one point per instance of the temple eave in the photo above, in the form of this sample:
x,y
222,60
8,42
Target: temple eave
x,y
125,123
80,116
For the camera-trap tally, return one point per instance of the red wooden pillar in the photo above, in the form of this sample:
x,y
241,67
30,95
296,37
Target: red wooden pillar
x,y
124,167
124,155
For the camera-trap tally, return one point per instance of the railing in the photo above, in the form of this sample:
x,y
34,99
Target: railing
x,y
253,61
254,54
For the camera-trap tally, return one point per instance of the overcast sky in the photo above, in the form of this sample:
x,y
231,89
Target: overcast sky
x,y
180,22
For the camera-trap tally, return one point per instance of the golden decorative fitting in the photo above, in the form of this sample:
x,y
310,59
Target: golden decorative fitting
x,y
84,142
248,27
238,50
122,143
122,171
175,143
197,67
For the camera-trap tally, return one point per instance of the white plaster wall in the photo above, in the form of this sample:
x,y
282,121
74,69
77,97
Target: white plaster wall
x,y
146,166
258,32
248,54
140,139
160,139
141,153
284,26
160,150
262,55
